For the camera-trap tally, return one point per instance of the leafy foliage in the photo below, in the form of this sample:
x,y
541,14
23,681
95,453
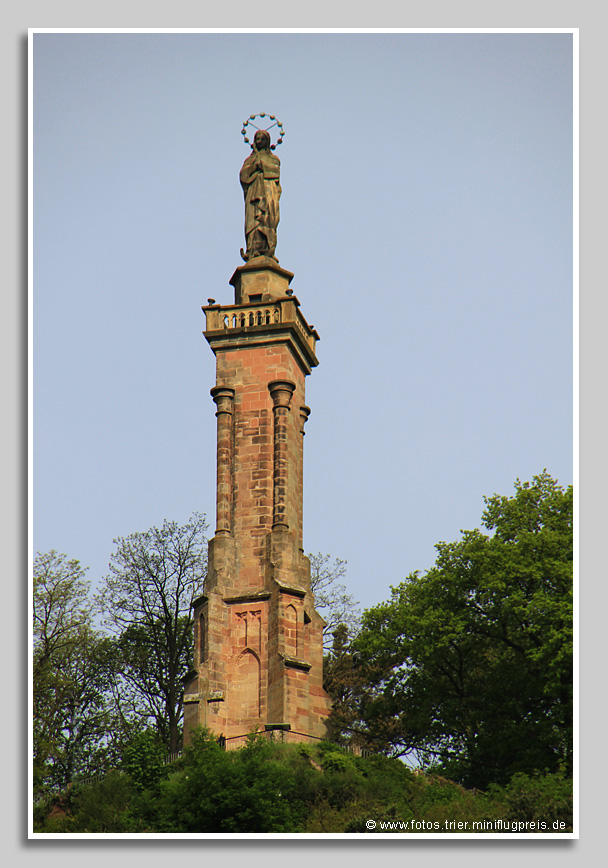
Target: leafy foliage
x,y
545,798
143,760
468,668
344,680
71,676
154,577
470,664
266,787
241,791
61,606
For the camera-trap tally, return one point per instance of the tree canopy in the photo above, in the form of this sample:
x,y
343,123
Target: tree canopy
x,y
470,664
146,598
269,787
72,727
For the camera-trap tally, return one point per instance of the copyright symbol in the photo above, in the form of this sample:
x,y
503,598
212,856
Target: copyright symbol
x,y
371,824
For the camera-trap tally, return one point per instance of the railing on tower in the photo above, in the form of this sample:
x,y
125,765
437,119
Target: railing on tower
x,y
282,311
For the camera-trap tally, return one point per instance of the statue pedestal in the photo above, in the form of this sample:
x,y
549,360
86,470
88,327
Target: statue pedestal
x,y
260,280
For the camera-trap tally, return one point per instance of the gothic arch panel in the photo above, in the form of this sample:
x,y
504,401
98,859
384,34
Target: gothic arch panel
x,y
247,685
291,630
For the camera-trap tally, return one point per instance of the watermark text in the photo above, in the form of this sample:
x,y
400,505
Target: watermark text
x,y
466,825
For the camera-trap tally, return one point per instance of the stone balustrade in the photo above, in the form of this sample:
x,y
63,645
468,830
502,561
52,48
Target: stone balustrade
x,y
259,316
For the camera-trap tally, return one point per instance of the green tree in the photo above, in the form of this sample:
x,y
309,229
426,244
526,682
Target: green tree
x,y
146,599
71,676
61,606
143,759
246,790
471,663
545,798
345,681
149,685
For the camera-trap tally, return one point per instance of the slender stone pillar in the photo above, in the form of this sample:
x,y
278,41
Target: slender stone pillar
x,y
281,392
224,399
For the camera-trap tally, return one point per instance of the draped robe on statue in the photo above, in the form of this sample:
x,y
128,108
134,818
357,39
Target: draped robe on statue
x,y
260,182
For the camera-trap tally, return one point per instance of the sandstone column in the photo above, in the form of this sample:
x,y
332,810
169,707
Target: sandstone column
x,y
224,399
281,392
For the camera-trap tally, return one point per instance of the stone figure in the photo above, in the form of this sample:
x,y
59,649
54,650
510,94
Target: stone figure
x,y
259,179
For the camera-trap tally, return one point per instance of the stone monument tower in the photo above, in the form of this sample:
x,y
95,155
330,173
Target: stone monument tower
x,y
258,658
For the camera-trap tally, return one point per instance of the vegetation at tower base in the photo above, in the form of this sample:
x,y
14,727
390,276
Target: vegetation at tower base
x,y
267,787
469,667
146,598
95,692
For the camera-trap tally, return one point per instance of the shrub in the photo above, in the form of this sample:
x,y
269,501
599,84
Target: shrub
x,y
538,798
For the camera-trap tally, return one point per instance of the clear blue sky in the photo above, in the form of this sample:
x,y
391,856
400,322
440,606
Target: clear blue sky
x,y
427,216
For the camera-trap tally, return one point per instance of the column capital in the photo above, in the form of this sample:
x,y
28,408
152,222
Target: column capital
x,y
304,414
223,397
281,392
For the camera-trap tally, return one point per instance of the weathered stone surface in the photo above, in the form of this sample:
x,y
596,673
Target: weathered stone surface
x,y
258,637
260,180
262,279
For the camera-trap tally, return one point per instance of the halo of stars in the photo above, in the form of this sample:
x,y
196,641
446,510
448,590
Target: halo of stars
x,y
275,123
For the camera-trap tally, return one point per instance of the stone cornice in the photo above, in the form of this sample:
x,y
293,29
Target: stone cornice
x,y
291,589
260,264
296,662
262,324
248,597
199,601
